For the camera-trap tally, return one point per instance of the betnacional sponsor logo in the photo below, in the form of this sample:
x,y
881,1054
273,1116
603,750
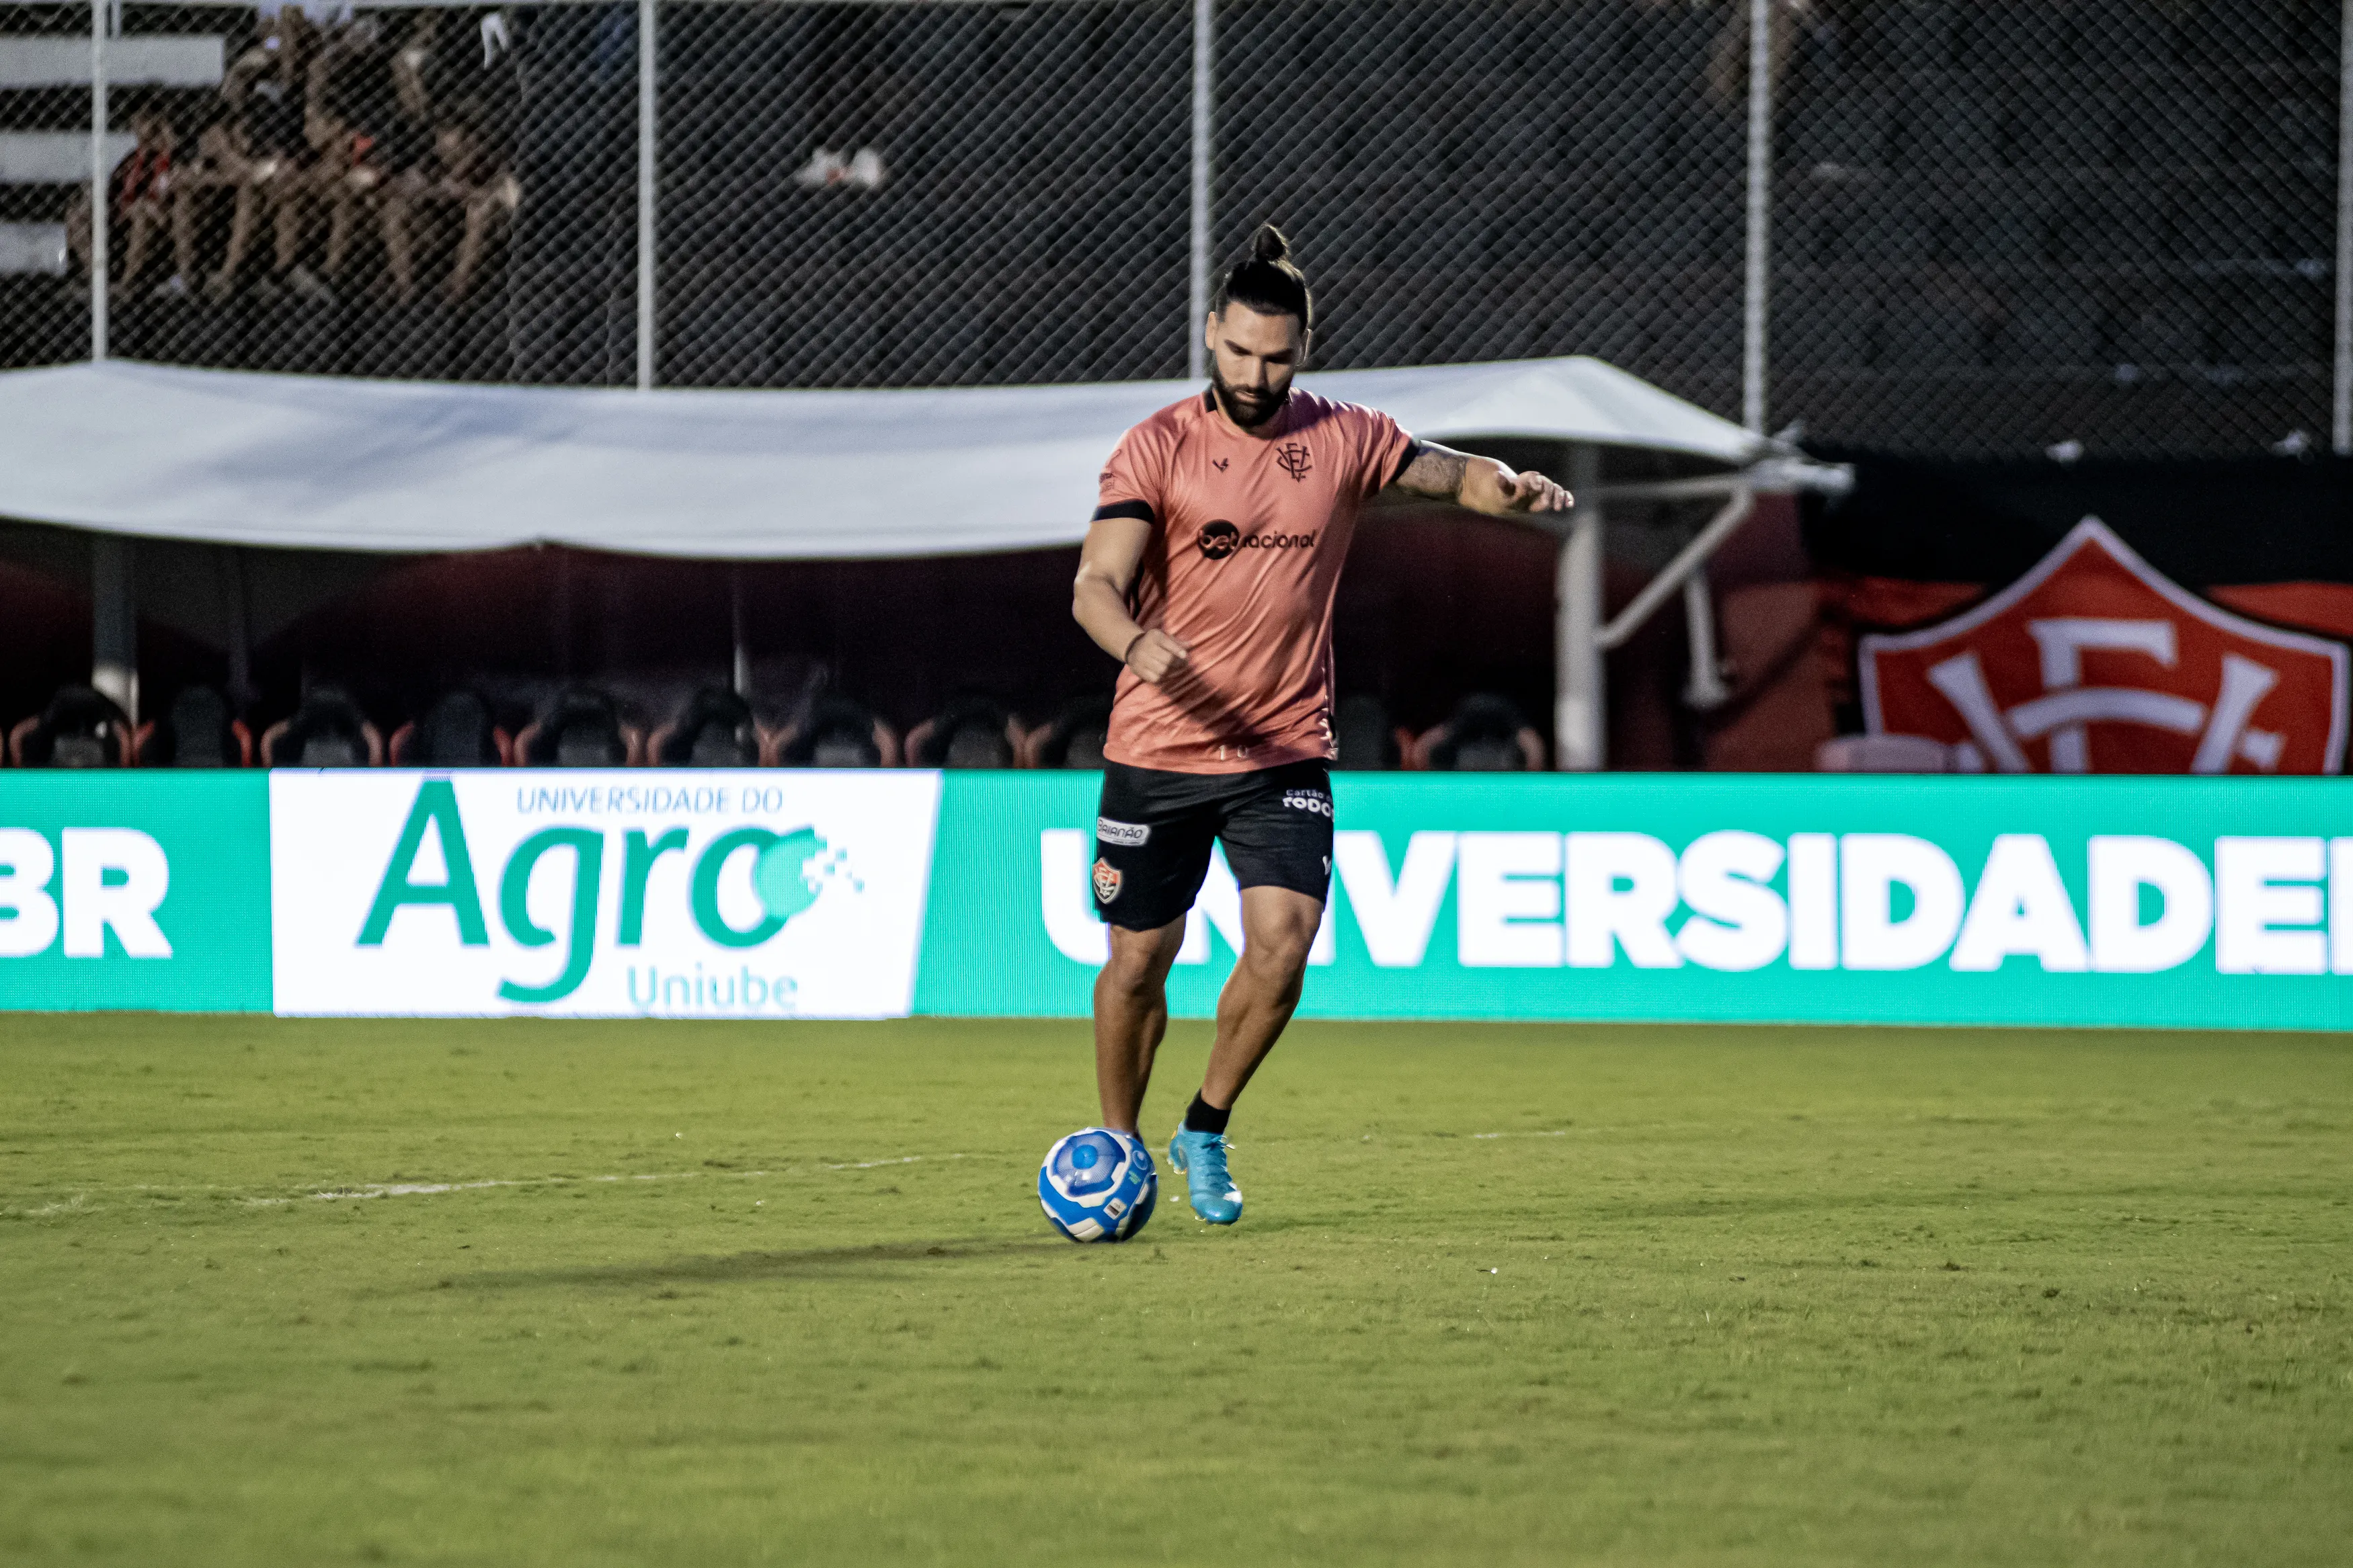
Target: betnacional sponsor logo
x,y
744,895
2094,662
1219,539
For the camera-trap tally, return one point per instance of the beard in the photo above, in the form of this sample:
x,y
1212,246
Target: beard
x,y
1249,409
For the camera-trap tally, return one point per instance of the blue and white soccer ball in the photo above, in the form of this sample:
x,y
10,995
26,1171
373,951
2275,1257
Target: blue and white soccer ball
x,y
1098,1185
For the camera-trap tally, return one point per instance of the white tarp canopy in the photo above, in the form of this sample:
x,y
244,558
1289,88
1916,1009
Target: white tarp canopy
x,y
331,463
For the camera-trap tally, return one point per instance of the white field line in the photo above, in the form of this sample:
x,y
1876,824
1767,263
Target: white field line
x,y
1562,1133
428,1189
80,1202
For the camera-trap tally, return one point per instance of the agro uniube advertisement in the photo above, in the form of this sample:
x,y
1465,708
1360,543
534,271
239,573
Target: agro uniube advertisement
x,y
752,894
2164,902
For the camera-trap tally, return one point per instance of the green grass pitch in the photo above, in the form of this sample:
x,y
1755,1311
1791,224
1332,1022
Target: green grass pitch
x,y
710,1294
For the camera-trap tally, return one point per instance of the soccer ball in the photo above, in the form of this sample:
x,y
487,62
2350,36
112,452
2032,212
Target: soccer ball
x,y
1098,1185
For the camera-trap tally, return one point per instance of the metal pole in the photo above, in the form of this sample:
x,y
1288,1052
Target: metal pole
x,y
1198,295
735,630
101,196
240,627
1704,691
1580,740
114,622
2341,431
646,149
1760,215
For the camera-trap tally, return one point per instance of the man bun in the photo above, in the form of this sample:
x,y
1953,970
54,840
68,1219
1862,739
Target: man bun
x,y
1267,280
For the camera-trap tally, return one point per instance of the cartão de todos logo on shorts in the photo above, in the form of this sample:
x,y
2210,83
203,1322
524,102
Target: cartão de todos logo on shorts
x,y
2094,662
600,894
1311,801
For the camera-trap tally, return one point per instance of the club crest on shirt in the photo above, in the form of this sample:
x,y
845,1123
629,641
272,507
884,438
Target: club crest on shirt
x,y
1292,455
1107,881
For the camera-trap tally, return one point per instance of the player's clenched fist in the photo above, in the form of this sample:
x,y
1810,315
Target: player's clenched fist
x,y
1531,491
1154,656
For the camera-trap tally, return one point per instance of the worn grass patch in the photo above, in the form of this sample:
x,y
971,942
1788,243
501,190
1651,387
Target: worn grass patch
x,y
530,1292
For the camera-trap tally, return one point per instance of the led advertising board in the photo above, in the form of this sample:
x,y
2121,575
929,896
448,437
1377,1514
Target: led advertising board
x,y
2155,902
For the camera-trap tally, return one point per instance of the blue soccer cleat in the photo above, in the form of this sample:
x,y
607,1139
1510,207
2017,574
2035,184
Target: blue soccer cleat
x,y
1200,1159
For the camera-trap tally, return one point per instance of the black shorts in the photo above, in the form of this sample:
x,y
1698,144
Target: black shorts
x,y
1153,831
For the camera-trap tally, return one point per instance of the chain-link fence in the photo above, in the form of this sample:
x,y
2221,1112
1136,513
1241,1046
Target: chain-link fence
x,y
1997,225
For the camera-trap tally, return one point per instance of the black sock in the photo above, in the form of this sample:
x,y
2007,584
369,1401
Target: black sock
x,y
1202,1117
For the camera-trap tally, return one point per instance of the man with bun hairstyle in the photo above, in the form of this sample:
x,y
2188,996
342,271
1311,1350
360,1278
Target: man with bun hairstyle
x,y
1209,574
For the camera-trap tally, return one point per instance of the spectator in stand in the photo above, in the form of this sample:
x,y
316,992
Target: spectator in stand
x,y
355,119
266,88
223,169
139,190
462,172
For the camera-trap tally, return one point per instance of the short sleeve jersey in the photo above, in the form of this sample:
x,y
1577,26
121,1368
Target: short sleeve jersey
x,y
1248,533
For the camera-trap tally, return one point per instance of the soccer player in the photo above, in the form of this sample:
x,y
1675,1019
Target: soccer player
x,y
1209,574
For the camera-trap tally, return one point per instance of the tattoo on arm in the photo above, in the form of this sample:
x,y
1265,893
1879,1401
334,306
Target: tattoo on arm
x,y
1436,474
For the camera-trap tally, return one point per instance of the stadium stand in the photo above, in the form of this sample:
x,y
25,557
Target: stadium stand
x,y
456,732
197,730
327,730
839,731
973,732
78,728
715,730
581,729
1073,738
481,163
1485,734
1366,740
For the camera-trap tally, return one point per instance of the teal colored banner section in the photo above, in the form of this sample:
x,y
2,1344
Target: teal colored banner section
x,y
2205,903
134,892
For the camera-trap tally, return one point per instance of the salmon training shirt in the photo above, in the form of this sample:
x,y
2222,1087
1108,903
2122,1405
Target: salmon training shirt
x,y
1248,534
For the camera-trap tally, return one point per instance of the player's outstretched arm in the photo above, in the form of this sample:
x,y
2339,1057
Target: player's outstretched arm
x,y
1482,484
1107,567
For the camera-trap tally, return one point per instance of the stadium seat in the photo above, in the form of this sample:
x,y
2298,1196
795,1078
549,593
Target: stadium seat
x,y
195,731
1073,738
2050,322
1912,36
2056,125
1486,734
2272,321
1365,739
327,730
715,731
972,732
456,732
81,727
1919,331
2162,329
839,732
1846,127
582,729
1944,132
